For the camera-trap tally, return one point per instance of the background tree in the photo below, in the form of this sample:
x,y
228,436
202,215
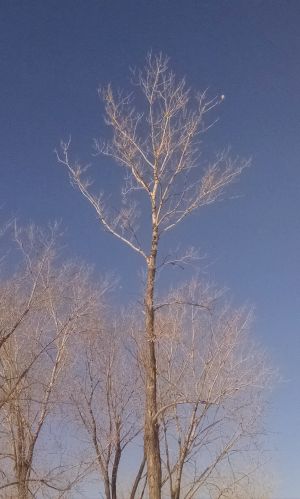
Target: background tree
x,y
212,383
42,307
159,149
107,395
22,292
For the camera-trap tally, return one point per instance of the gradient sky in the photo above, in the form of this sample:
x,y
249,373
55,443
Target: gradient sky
x,y
54,54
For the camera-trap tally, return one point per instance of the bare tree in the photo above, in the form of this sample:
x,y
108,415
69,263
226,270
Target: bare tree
x,y
212,383
22,293
44,306
159,149
26,280
107,396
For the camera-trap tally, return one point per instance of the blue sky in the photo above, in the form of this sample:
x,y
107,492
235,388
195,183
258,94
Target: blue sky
x,y
54,54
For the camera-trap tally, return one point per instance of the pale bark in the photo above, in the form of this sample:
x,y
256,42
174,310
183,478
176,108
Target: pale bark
x,y
151,424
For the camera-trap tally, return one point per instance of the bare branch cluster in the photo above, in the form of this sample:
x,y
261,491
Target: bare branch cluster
x,y
65,355
160,150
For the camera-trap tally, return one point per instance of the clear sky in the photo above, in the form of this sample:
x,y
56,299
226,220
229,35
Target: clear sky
x,y
55,53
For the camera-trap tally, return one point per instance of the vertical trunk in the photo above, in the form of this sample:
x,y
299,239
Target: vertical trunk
x,y
176,490
177,487
116,463
21,454
138,478
151,436
23,492
106,486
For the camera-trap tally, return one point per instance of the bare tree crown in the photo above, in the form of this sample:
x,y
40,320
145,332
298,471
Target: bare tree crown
x,y
159,147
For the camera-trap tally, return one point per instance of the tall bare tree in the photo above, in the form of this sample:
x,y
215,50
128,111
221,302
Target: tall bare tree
x,y
159,149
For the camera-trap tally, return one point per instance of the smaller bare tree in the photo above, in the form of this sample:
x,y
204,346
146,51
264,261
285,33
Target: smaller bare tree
x,y
45,305
212,387
107,396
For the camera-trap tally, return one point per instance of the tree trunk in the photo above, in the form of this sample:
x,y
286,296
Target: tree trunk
x,y
138,478
107,487
176,492
23,492
151,437
177,487
116,466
